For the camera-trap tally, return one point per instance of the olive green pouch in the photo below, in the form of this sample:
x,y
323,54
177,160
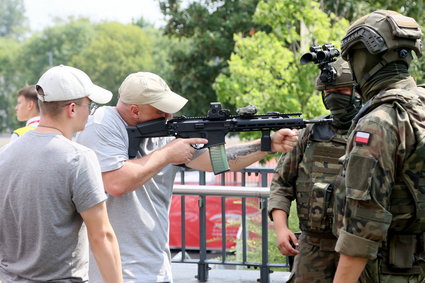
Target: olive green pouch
x,y
401,251
318,206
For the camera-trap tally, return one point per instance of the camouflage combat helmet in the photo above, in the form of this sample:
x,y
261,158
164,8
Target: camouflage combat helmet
x,y
384,32
343,77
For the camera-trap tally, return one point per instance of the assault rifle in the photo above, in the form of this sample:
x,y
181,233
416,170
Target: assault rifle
x,y
215,126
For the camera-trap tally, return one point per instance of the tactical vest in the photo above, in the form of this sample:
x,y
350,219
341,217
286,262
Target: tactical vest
x,y
23,130
316,176
406,241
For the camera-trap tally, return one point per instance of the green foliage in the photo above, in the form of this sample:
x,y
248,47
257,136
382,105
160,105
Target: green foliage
x,y
9,83
54,46
142,23
417,70
210,25
264,69
162,46
254,243
115,51
267,75
12,18
409,8
12,27
353,9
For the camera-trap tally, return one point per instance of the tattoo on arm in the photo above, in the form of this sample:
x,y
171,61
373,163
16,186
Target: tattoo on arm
x,y
242,150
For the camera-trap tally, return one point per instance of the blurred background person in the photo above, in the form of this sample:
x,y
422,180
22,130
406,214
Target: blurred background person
x,y
27,109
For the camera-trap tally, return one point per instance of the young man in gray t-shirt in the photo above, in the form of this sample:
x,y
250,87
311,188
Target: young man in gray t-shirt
x,y
50,186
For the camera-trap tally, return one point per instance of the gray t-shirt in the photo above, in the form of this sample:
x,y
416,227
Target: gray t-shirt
x,y
46,180
139,218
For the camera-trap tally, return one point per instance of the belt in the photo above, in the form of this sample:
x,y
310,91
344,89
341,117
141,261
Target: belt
x,y
324,235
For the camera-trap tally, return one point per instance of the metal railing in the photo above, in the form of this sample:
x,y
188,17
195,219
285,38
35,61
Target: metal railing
x,y
202,191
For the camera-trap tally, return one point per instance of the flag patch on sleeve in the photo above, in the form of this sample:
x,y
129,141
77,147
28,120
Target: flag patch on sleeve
x,y
362,137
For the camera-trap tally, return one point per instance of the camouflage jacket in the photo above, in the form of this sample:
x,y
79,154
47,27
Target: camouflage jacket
x,y
306,174
373,198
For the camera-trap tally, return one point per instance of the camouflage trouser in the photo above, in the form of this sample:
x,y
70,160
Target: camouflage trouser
x,y
316,262
373,273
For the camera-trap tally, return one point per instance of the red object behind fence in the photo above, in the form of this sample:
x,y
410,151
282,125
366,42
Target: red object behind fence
x,y
213,211
213,221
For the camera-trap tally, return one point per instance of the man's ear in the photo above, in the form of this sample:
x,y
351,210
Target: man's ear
x,y
134,110
30,104
70,109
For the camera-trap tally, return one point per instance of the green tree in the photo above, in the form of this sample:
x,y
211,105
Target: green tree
x,y
210,25
114,52
264,69
353,9
53,46
12,18
162,46
9,83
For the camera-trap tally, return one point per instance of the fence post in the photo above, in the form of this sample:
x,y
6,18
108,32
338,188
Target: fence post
x,y
202,266
265,269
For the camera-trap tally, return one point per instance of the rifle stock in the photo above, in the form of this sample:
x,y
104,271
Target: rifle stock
x,y
215,127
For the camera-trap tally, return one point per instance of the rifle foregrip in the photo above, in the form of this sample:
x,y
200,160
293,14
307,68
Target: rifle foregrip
x,y
133,142
218,159
132,152
266,141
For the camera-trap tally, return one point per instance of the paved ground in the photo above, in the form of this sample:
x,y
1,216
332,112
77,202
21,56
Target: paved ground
x,y
185,273
4,140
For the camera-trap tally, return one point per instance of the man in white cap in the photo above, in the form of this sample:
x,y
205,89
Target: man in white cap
x,y
50,186
140,189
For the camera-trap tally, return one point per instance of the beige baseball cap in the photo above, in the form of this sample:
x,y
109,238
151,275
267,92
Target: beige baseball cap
x,y
66,83
148,88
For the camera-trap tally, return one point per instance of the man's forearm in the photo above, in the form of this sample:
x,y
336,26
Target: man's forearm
x,y
106,252
280,219
349,269
103,242
238,156
243,155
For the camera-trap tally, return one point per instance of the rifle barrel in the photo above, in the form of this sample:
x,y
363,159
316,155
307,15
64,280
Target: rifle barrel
x,y
320,121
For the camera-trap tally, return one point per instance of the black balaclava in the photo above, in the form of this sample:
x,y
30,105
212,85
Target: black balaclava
x,y
343,108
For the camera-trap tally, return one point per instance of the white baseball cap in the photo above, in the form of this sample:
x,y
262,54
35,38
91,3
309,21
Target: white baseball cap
x,y
66,83
148,88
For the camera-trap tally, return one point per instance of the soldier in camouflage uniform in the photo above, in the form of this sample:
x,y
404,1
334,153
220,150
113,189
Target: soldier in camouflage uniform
x,y
306,175
381,218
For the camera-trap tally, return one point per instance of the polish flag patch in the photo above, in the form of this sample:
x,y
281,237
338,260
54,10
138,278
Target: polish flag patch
x,y
362,137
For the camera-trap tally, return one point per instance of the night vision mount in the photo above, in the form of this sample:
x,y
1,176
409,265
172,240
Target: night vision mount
x,y
322,55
